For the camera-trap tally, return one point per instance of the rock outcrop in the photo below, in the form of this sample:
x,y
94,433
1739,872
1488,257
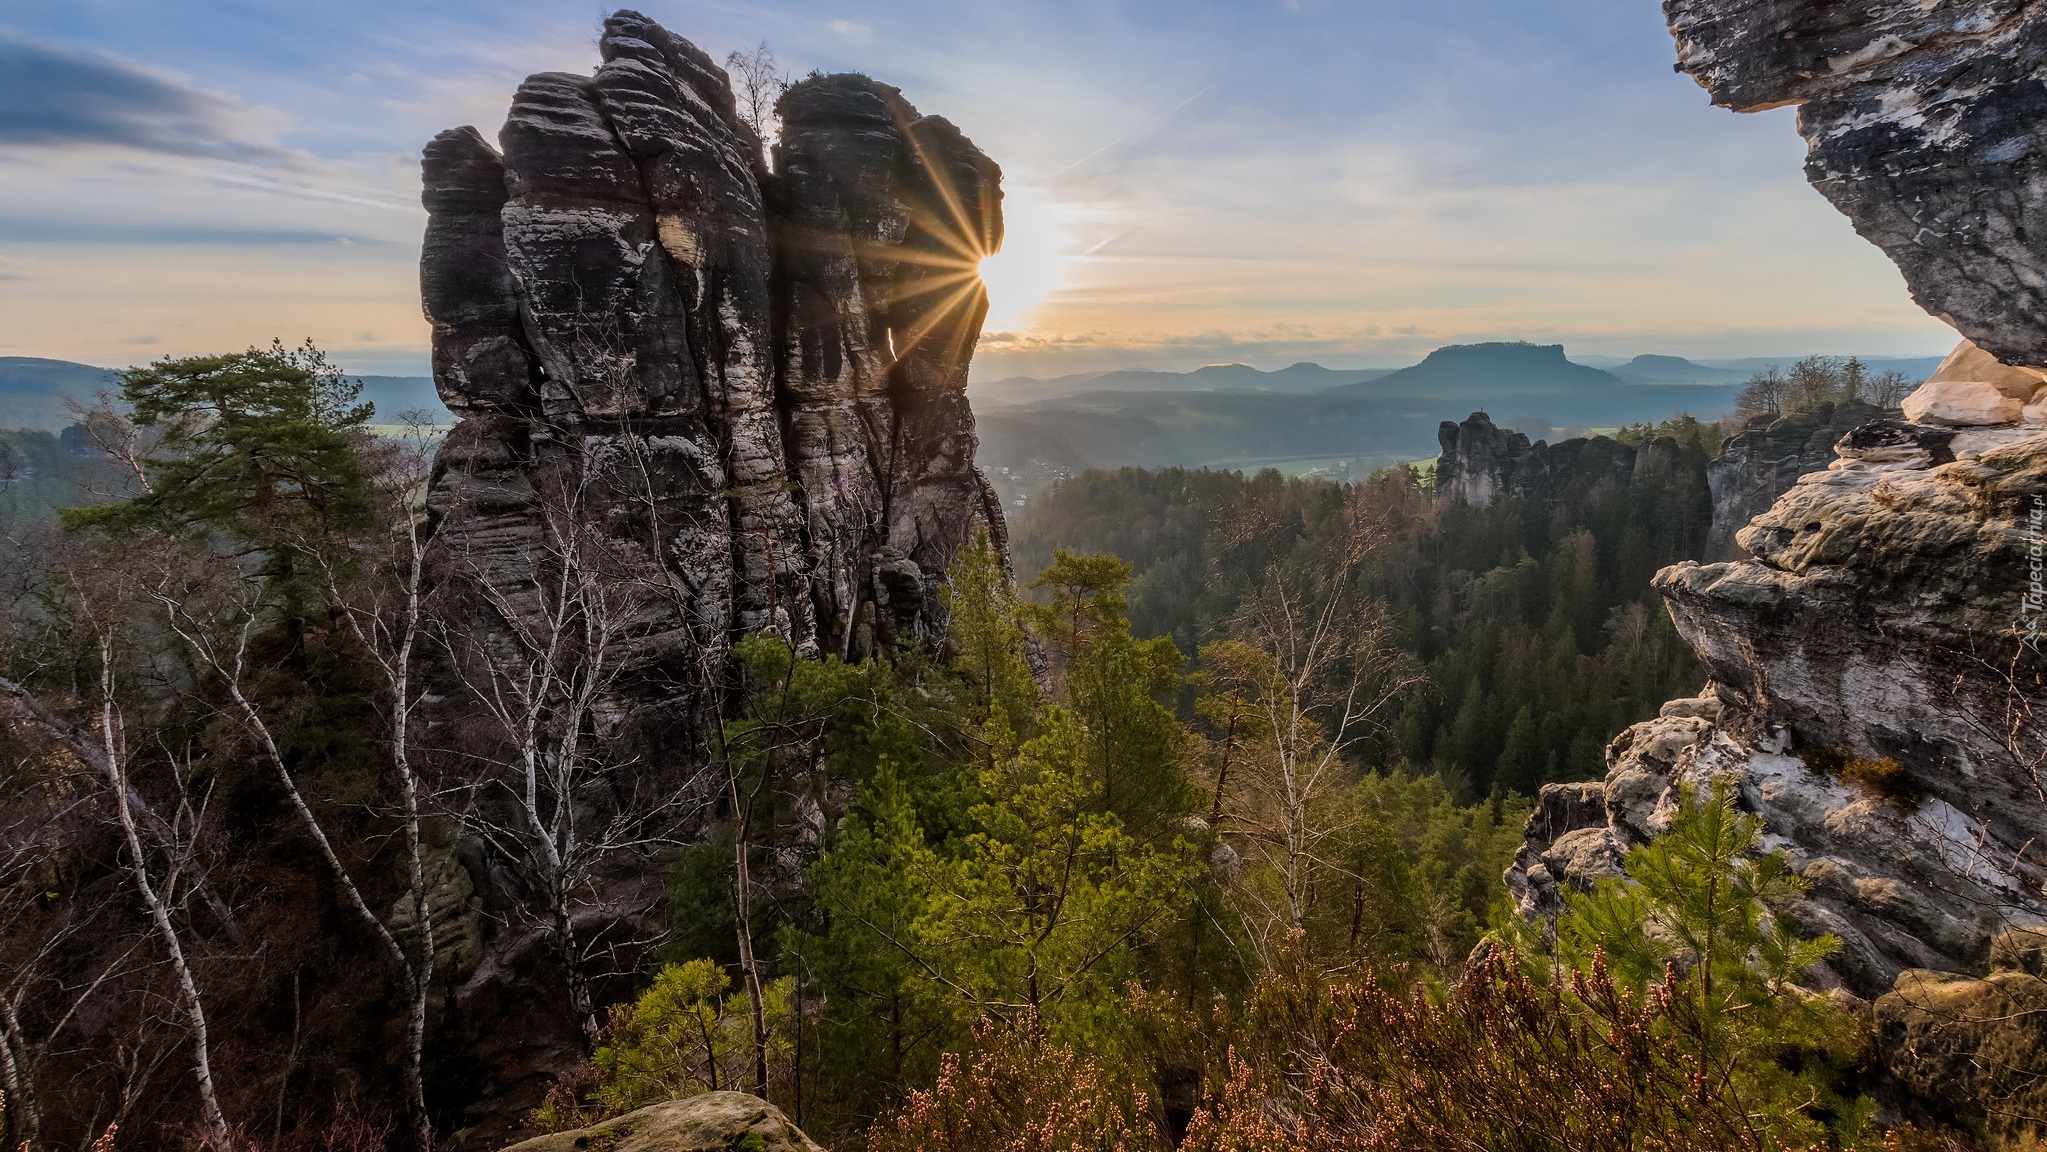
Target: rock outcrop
x,y
698,396
1870,695
1482,462
1875,683
753,379
1763,460
1926,124
713,1122
1974,1048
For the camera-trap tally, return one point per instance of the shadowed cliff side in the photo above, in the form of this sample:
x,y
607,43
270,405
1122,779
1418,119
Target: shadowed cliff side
x,y
697,397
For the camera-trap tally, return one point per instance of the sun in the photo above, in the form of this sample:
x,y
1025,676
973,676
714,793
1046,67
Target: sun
x,y
1031,264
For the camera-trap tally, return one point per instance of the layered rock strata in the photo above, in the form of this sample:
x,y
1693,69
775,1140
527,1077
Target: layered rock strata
x,y
751,380
1875,682
1925,124
1871,695
697,397
1763,460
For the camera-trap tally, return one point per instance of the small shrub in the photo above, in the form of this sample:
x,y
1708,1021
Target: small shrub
x,y
1828,762
1886,778
1017,1091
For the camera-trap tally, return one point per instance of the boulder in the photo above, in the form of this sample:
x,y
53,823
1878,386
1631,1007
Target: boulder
x,y
1961,404
1894,444
713,1122
1968,362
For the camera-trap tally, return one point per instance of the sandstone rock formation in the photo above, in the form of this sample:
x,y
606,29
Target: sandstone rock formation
x,y
1961,404
1481,462
1977,1049
697,397
1926,124
1868,692
754,379
1762,461
1875,684
1972,388
713,1122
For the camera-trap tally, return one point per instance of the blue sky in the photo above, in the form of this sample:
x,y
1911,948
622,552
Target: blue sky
x,y
1189,183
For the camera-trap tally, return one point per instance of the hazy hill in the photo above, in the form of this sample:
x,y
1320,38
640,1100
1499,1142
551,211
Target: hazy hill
x,y
1490,370
1651,369
1344,430
33,391
1298,378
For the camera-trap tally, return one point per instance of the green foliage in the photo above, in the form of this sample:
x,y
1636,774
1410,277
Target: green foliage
x,y
261,448
1538,630
1455,856
1703,900
1691,434
984,635
685,1035
253,444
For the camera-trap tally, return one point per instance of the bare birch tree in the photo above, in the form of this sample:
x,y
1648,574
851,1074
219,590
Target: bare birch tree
x,y
538,650
757,85
1313,670
159,855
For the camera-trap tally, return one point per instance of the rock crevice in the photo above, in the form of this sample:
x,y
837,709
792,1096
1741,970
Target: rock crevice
x,y
765,367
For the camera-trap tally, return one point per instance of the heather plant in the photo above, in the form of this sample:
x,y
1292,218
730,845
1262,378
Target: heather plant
x,y
1497,1060
1019,1091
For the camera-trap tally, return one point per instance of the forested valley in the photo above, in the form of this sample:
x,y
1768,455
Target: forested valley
x,y
1229,775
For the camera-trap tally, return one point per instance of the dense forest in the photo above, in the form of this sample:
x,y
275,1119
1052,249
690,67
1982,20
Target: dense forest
x,y
1192,836
1536,626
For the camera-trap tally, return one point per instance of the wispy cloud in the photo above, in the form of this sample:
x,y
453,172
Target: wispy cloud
x,y
53,96
41,231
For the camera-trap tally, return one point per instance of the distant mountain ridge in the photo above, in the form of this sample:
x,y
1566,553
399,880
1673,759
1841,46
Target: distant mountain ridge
x,y
37,393
1299,379
1653,369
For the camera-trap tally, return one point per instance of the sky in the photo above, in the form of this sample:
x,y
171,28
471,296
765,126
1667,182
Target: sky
x,y
1353,182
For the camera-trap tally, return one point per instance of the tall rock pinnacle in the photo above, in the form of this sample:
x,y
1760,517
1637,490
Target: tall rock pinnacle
x,y
753,377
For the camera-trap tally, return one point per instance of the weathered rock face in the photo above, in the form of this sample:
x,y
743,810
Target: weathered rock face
x,y
754,379
1762,462
1481,462
1975,1048
1875,623
697,397
1926,124
713,1122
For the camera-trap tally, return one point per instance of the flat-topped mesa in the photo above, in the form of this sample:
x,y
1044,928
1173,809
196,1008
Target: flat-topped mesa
x,y
757,377
1925,123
